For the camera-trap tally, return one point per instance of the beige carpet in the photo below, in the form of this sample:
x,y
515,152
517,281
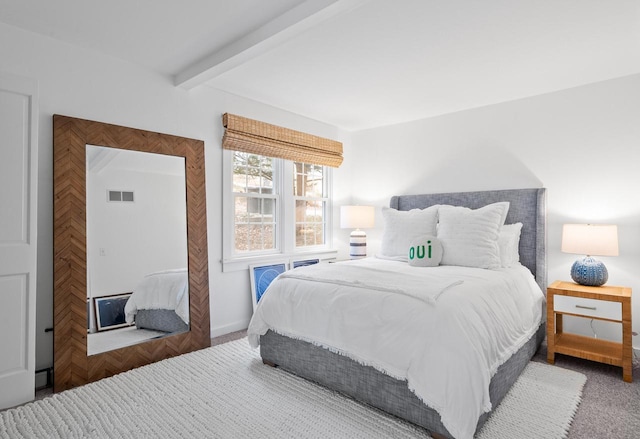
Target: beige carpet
x,y
226,392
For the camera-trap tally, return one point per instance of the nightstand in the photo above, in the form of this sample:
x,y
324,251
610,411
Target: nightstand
x,y
609,303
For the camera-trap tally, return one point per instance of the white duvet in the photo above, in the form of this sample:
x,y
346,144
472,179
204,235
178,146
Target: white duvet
x,y
161,290
446,340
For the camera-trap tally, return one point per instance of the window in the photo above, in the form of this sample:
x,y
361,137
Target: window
x,y
274,207
255,203
310,201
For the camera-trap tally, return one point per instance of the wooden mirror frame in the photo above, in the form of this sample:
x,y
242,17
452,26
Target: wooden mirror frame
x,y
71,365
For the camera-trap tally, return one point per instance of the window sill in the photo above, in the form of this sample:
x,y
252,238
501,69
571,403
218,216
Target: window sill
x,y
237,264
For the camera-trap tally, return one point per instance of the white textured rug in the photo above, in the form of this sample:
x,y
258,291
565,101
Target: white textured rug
x,y
226,392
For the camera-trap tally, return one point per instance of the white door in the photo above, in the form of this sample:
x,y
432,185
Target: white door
x,y
18,219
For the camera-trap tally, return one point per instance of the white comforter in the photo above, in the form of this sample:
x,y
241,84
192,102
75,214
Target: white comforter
x,y
447,341
161,290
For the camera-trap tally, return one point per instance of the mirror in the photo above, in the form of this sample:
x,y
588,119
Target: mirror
x,y
137,280
76,274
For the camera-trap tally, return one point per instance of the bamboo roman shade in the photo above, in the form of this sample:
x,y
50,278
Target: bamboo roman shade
x,y
255,137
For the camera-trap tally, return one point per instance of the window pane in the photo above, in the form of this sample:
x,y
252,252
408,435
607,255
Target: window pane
x,y
309,235
314,181
261,237
307,180
241,210
254,223
309,222
241,237
254,217
267,209
252,173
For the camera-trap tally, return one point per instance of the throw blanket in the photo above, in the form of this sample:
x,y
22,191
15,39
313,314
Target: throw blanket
x,y
161,290
447,351
425,288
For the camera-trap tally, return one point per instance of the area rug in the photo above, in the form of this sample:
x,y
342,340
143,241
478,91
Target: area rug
x,y
226,392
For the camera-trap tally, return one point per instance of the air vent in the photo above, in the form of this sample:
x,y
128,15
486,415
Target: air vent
x,y
122,196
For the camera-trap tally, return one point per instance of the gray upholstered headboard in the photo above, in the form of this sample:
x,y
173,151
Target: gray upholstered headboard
x,y
528,206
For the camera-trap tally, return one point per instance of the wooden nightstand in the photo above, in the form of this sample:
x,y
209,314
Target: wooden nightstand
x,y
609,303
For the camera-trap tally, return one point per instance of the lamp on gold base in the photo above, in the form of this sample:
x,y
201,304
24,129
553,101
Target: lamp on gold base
x,y
357,217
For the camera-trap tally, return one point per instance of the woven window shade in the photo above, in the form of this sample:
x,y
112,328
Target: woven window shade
x,y
255,137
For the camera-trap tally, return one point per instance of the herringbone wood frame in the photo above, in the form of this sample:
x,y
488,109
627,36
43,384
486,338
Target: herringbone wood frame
x,y
72,366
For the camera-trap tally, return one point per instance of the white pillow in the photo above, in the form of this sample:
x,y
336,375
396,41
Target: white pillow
x,y
425,251
470,237
401,227
509,243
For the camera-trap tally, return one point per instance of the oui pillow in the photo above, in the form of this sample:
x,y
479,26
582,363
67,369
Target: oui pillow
x,y
425,251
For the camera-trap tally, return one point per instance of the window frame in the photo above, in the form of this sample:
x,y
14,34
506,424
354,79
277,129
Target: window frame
x,y
285,245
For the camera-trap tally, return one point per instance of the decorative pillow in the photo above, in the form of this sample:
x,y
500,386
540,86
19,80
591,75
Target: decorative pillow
x,y
470,237
509,243
425,251
401,227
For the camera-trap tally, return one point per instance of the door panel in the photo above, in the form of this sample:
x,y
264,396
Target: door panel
x,y
13,319
18,227
14,171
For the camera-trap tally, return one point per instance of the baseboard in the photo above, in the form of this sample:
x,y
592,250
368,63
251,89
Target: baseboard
x,y
43,378
226,329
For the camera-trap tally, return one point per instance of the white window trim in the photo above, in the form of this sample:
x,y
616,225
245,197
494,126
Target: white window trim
x,y
285,233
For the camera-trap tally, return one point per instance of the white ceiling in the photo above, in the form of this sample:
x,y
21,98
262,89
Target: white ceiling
x,y
356,64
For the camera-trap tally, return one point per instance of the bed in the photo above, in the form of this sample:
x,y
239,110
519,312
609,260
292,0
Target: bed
x,y
378,381
160,302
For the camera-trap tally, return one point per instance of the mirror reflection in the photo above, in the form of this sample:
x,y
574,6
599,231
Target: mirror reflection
x,y
137,278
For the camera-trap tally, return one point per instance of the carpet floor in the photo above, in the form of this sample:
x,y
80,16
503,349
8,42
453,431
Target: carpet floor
x,y
610,408
226,392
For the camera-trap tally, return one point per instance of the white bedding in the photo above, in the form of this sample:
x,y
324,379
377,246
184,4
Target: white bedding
x,y
447,348
161,290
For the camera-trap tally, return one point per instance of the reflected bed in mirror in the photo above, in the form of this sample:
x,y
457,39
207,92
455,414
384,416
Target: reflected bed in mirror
x,y
136,240
90,262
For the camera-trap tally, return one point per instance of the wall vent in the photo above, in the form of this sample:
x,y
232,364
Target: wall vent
x,y
122,196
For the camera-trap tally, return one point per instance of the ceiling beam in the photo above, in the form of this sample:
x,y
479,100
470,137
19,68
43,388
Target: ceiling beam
x,y
274,33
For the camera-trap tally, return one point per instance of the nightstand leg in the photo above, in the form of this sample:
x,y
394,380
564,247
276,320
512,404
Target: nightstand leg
x,y
551,338
551,345
627,374
552,322
627,347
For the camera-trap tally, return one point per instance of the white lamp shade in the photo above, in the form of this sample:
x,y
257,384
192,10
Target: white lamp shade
x,y
357,217
590,239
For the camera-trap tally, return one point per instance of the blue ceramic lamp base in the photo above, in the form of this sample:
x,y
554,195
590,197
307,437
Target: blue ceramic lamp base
x,y
590,272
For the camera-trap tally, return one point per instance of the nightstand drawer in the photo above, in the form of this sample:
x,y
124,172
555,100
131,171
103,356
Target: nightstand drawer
x,y
588,307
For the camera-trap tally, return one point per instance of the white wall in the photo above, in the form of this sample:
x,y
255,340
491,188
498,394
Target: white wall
x,y
582,144
129,240
80,83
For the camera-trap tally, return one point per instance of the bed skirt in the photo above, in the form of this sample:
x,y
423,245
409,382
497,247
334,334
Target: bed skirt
x,y
160,320
366,384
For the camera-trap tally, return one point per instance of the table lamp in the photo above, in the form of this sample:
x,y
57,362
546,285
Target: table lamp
x,y
590,240
357,217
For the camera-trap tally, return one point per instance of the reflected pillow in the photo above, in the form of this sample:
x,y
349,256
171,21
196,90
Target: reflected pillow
x,y
425,251
509,243
401,227
470,237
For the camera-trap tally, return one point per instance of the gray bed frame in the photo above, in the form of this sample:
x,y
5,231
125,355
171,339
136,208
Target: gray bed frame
x,y
366,384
